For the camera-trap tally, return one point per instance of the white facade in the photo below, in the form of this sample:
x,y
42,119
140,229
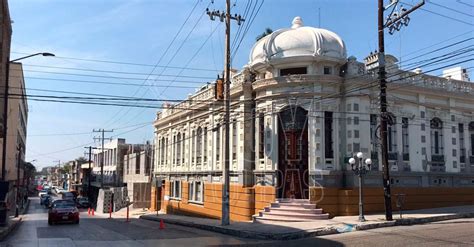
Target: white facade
x,y
304,71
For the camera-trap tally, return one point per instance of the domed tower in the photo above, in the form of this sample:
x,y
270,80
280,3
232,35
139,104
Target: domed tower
x,y
297,76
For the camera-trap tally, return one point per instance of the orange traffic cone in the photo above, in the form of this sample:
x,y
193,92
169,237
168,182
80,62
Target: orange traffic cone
x,y
92,211
89,211
162,224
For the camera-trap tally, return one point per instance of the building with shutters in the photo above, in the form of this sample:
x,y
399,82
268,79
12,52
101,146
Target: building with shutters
x,y
300,109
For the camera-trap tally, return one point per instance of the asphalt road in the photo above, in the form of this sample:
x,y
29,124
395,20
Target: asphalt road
x,y
96,231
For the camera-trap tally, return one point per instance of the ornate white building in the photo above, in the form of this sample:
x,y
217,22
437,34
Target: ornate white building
x,y
300,108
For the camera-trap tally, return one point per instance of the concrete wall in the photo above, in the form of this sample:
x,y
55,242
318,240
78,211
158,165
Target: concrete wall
x,y
346,201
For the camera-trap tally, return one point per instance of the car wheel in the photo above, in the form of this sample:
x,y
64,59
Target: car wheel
x,y
76,222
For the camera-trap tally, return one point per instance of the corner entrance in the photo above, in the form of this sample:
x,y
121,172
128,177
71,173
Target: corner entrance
x,y
293,153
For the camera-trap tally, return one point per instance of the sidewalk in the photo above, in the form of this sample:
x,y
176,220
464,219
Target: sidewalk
x,y
296,230
13,222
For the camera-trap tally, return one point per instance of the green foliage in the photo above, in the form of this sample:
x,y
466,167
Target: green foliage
x,y
267,32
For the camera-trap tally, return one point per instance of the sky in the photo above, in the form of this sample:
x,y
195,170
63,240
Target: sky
x,y
166,49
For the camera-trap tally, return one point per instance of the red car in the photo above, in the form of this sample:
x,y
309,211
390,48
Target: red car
x,y
63,211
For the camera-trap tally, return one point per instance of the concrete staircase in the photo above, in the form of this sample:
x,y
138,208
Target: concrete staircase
x,y
290,210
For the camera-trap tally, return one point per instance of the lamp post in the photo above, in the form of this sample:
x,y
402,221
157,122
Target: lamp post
x,y
360,170
5,107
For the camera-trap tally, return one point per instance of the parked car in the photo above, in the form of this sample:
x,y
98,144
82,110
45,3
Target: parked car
x,y
63,211
83,202
48,201
68,196
42,192
43,198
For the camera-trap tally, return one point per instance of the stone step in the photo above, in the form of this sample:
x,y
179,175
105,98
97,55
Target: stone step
x,y
284,200
277,218
293,215
294,209
290,205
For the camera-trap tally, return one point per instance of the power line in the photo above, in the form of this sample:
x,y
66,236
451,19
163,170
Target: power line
x,y
448,8
442,15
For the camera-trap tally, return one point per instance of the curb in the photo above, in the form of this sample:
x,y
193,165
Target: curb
x,y
307,233
12,225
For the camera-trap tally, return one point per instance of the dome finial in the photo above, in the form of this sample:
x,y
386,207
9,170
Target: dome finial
x,y
297,22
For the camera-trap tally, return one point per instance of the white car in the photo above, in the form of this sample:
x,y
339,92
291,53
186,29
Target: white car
x,y
42,192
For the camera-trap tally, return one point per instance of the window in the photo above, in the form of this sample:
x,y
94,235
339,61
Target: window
x,y
349,134
261,136
199,146
218,142
453,129
356,120
471,133
422,114
453,141
453,118
423,127
234,140
293,71
193,146
173,158
462,149
162,152
328,150
356,107
423,139
405,144
183,142
392,136
204,138
455,152
137,163
195,191
178,149
436,126
176,189
327,70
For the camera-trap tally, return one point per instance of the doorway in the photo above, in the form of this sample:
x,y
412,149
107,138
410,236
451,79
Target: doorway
x,y
293,174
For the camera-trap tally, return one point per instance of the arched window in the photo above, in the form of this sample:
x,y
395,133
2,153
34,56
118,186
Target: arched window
x,y
436,126
199,145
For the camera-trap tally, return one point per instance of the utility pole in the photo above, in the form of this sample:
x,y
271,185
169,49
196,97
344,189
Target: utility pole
x,y
225,171
103,155
90,171
394,22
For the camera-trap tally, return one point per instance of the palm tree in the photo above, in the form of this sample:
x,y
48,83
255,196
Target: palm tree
x,y
267,32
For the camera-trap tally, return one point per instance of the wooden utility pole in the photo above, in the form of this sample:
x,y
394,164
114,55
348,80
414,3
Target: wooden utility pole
x,y
394,22
102,161
225,171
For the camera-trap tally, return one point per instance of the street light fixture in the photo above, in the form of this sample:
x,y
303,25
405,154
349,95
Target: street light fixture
x,y
5,106
360,169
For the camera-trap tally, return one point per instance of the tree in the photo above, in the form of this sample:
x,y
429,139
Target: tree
x,y
81,160
267,32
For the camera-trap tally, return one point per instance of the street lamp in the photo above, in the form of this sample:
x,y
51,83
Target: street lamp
x,y
5,106
360,169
